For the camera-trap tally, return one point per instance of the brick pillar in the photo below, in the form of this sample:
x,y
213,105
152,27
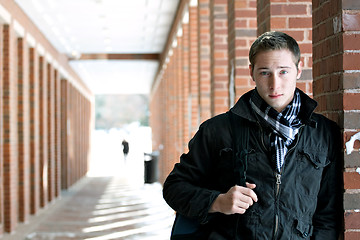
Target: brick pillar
x,y
70,143
336,47
204,59
194,67
34,131
23,130
242,33
71,135
10,138
171,115
57,137
186,81
43,132
294,18
51,131
75,135
64,134
78,134
179,95
1,139
219,56
158,121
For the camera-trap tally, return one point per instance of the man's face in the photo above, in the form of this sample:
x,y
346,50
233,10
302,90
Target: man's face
x,y
275,75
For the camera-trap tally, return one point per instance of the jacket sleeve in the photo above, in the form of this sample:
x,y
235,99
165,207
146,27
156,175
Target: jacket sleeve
x,y
185,187
327,220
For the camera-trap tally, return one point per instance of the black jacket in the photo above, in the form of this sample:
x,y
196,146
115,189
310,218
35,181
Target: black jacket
x,y
307,204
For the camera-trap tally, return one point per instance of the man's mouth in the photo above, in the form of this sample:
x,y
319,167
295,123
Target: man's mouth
x,y
273,96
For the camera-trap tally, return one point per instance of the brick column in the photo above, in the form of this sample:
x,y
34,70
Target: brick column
x,y
23,130
336,48
171,112
204,59
71,134
242,33
294,18
219,56
10,138
64,134
179,96
43,132
57,137
186,81
1,140
51,131
194,67
34,131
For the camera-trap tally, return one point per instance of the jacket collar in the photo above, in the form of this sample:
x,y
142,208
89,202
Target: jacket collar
x,y
243,108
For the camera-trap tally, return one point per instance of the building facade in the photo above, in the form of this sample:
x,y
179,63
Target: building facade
x,y
204,70
45,121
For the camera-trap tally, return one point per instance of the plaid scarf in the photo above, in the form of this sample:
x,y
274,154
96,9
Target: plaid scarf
x,y
285,125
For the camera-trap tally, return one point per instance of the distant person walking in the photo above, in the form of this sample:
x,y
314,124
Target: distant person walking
x,y
125,145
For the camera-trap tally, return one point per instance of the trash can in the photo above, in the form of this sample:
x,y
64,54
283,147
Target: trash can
x,y
150,167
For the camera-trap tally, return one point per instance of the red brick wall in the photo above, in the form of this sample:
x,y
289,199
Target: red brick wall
x,y
242,33
57,137
1,137
34,132
23,129
43,131
204,59
31,119
194,69
10,138
219,56
186,115
50,130
337,88
294,18
179,94
64,140
330,74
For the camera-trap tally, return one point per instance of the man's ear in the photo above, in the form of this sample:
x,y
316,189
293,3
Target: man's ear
x,y
299,70
251,71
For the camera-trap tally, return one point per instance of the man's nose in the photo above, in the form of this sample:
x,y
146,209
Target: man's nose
x,y
274,81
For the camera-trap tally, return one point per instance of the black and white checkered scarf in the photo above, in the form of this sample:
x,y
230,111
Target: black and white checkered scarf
x,y
285,125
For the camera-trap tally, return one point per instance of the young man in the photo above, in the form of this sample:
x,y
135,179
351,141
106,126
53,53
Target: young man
x,y
290,159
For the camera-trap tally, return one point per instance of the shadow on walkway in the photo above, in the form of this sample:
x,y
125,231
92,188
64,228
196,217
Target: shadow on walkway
x,y
107,204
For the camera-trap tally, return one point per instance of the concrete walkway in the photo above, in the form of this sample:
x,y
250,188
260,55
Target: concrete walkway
x,y
102,208
112,202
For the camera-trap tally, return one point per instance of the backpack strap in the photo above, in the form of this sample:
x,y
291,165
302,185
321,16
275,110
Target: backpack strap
x,y
240,141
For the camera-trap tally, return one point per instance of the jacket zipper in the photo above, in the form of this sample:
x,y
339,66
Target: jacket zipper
x,y
278,183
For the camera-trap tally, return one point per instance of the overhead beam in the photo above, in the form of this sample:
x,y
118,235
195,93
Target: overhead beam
x,y
117,56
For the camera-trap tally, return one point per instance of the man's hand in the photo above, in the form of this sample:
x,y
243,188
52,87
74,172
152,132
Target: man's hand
x,y
236,200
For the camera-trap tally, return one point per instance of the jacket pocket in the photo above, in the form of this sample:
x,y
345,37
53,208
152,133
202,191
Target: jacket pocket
x,y
224,171
302,230
310,166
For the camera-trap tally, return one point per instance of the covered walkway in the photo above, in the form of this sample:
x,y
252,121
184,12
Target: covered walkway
x,y
112,202
198,53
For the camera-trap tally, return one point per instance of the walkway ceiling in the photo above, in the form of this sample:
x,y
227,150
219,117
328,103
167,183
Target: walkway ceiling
x,y
113,45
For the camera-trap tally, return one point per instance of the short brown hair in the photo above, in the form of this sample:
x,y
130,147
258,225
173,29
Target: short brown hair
x,y
274,41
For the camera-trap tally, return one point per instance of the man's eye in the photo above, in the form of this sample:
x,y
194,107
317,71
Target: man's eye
x,y
264,73
283,72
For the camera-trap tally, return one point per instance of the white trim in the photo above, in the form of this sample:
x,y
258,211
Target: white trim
x,y
186,16
19,29
40,49
5,16
193,3
55,64
49,58
30,40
